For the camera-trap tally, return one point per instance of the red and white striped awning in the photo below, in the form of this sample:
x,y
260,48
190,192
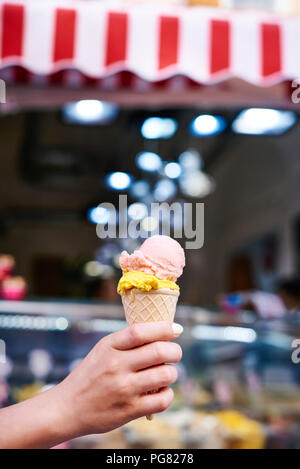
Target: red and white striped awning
x,y
98,40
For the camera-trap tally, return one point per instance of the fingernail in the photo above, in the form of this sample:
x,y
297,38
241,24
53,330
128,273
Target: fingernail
x,y
177,329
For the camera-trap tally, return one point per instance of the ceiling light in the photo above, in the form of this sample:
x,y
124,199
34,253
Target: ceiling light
x,y
258,121
207,125
164,190
99,215
190,160
159,127
140,189
197,184
118,181
89,112
148,161
172,170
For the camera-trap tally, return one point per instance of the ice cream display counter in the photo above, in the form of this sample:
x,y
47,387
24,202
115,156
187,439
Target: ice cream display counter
x,y
238,387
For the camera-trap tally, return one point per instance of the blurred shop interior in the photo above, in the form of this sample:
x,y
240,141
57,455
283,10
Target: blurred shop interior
x,y
70,142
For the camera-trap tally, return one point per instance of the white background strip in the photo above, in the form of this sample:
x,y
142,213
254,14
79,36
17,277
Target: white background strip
x,y
90,44
194,45
291,48
142,46
38,37
246,48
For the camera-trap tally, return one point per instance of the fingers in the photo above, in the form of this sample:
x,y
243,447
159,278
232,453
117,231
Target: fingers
x,y
153,354
155,403
155,378
144,333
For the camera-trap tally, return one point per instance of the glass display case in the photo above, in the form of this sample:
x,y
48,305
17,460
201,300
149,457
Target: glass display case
x,y
238,386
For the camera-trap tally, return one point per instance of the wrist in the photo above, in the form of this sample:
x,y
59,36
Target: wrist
x,y
60,417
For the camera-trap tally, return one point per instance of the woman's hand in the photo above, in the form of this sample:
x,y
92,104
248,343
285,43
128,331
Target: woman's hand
x,y
108,389
110,386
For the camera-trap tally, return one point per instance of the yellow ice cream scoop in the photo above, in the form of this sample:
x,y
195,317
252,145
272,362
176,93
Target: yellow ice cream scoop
x,y
143,281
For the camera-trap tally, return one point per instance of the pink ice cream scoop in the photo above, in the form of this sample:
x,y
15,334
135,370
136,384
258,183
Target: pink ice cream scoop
x,y
159,255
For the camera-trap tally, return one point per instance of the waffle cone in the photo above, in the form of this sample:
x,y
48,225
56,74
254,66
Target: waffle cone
x,y
151,306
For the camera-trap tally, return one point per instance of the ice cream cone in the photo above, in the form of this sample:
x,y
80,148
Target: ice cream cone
x,y
151,306
148,285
